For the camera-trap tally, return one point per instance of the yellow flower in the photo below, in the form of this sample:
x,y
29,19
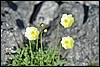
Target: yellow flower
x,y
45,30
32,33
67,42
67,20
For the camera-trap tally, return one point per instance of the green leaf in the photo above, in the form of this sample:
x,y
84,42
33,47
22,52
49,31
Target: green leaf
x,y
14,63
25,53
21,53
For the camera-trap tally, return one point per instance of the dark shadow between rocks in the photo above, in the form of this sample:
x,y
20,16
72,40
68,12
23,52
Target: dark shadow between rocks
x,y
35,12
12,5
86,9
20,23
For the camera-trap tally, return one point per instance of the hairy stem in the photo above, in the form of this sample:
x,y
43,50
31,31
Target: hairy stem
x,y
31,52
57,33
37,45
41,48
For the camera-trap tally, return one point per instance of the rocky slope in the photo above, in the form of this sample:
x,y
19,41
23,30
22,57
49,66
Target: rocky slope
x,y
16,16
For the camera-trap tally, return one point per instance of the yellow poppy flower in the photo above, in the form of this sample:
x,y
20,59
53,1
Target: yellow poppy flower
x,y
32,33
67,42
67,20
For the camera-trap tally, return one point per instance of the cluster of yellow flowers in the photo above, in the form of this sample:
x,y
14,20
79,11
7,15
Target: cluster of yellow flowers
x,y
66,21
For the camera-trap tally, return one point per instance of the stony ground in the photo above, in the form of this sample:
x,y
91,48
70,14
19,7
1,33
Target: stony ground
x,y
17,15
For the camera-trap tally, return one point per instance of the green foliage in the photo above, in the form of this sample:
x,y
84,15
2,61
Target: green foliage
x,y
22,57
37,55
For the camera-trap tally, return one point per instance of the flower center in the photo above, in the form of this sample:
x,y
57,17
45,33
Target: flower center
x,y
66,42
66,21
32,33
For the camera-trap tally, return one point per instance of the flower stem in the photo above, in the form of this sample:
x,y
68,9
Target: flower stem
x,y
41,41
57,34
31,52
56,41
41,49
37,45
59,52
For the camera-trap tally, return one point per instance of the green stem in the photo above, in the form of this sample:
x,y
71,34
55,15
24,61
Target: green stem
x,y
37,45
41,48
31,52
59,53
56,40
41,41
57,34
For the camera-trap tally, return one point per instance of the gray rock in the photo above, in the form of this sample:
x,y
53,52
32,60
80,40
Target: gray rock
x,y
88,3
85,34
71,8
76,10
47,13
15,18
89,41
32,2
25,10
